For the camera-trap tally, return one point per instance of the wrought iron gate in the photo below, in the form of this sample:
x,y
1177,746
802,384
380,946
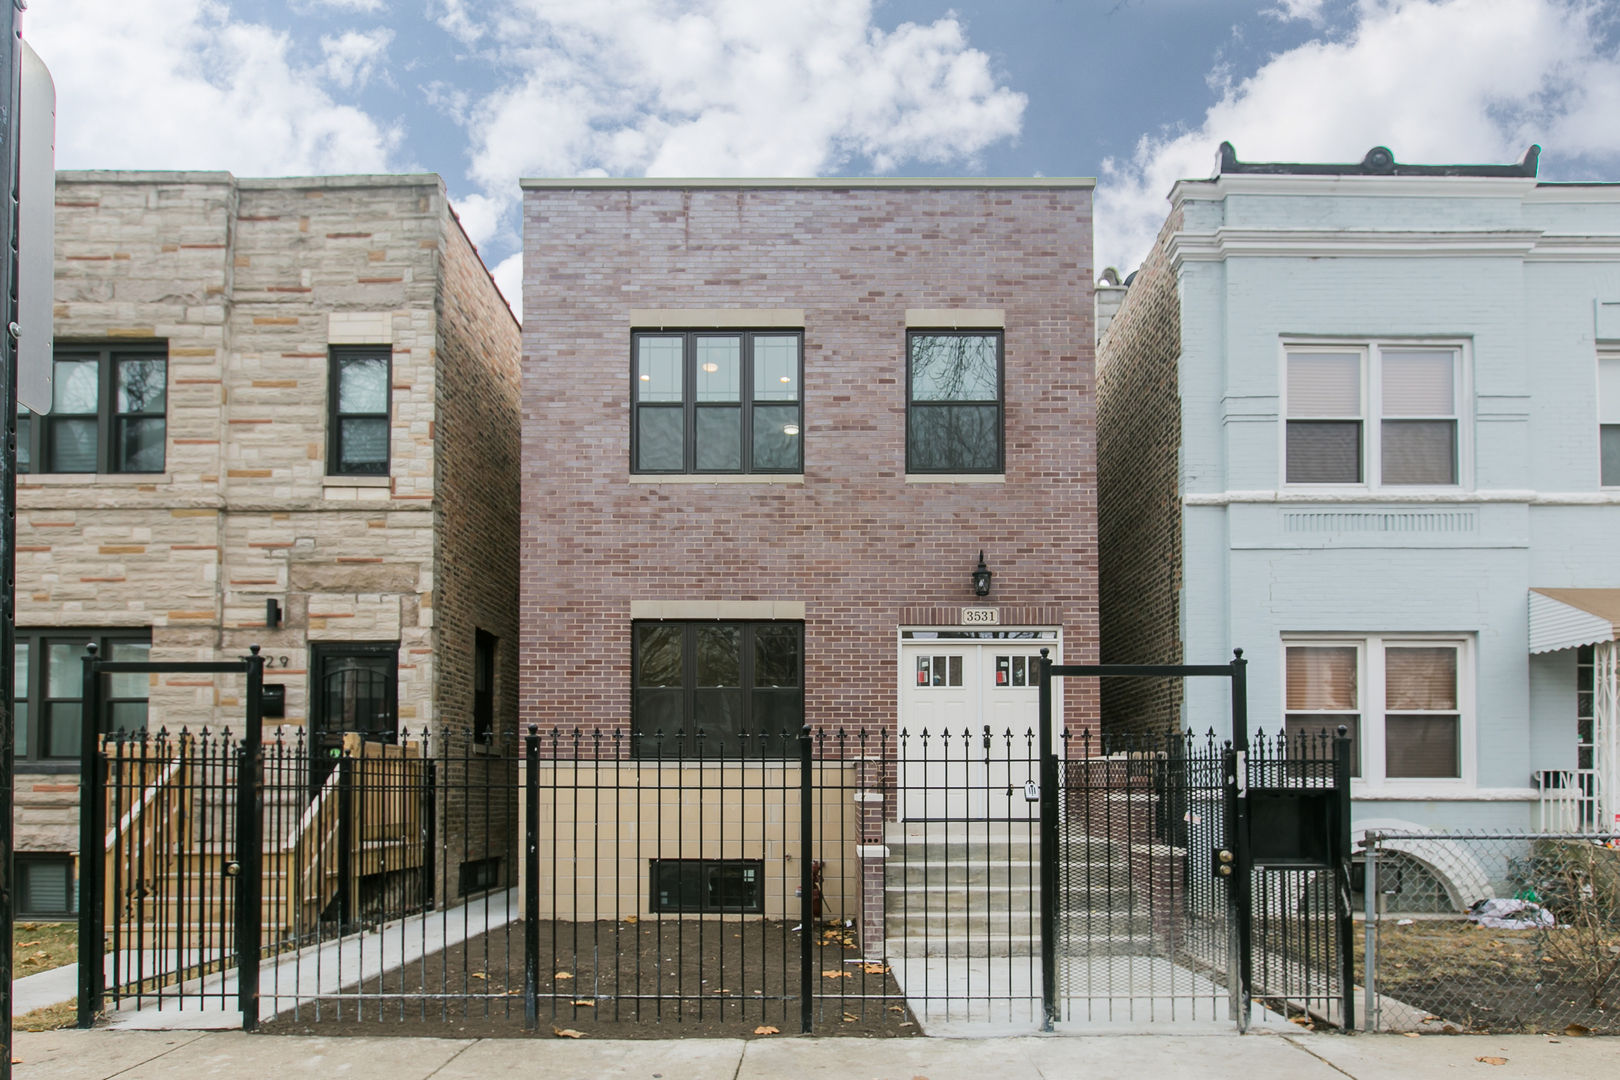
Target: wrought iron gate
x,y
1190,876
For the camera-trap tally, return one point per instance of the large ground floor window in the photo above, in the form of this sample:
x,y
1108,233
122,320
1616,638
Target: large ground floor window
x,y
1406,701
722,689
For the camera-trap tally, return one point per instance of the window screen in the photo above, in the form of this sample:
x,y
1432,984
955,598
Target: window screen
x,y
1324,434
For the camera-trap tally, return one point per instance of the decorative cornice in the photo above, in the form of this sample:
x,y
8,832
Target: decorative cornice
x,y
1440,498
1034,183
1226,243
1379,161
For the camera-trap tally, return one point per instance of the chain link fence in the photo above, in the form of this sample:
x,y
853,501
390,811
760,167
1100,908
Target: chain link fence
x,y
1499,933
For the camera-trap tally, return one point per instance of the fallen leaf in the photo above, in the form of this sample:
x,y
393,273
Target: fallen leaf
x,y
875,969
1302,1021
479,975
631,919
766,1029
1492,1060
1410,1034
1577,1029
567,1033
585,1001
563,975
837,975
29,944
897,1008
848,1019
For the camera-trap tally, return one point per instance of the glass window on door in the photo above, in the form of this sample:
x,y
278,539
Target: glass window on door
x,y
939,670
1018,671
355,689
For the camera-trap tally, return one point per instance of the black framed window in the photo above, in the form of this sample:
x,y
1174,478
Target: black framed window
x,y
355,689
483,685
708,886
109,413
49,688
717,402
358,406
954,402
741,684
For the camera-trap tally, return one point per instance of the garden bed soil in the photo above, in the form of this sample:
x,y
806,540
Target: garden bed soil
x,y
647,979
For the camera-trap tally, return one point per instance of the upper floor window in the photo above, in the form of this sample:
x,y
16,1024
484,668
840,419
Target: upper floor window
x,y
712,402
48,689
357,427
1609,418
1411,435
483,686
953,402
109,408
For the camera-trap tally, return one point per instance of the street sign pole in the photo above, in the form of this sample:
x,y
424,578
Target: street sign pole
x,y
10,96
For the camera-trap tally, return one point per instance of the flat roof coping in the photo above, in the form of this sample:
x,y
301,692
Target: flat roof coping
x,y
158,176
1034,183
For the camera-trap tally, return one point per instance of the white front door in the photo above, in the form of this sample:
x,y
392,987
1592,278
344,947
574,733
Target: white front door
x,y
969,712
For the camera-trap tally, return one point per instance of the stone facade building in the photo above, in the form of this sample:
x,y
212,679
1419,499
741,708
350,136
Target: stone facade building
x,y
793,413
286,414
1363,421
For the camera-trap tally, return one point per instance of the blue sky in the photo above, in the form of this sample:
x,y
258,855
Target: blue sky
x,y
1135,92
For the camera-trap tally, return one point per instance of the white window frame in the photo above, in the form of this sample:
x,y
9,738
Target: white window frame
x,y
1372,398
1370,700
1612,356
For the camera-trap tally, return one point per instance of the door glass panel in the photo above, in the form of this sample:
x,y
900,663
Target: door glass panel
x,y
355,694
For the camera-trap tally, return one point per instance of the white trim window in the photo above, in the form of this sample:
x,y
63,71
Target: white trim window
x,y
1376,415
1608,419
1407,702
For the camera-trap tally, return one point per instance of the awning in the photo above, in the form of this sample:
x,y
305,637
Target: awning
x,y
1565,618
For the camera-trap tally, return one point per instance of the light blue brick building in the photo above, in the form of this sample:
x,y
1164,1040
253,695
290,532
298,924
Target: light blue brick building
x,y
1364,422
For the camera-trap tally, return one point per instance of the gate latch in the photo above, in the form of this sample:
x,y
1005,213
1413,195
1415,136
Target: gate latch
x,y
1032,791
1222,863
232,869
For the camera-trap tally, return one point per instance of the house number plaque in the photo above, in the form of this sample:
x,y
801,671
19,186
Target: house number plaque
x,y
981,616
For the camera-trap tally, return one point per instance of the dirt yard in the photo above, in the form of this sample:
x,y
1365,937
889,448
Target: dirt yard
x,y
652,979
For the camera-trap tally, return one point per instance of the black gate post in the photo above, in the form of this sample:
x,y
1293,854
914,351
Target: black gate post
x,y
1343,916
807,885
92,846
250,846
1240,897
1049,852
531,879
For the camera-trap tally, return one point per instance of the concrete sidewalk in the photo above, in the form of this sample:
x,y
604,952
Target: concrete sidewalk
x,y
140,1055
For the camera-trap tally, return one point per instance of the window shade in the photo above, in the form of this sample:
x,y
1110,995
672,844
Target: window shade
x,y
1321,677
1417,747
1420,678
1609,390
1419,383
1324,384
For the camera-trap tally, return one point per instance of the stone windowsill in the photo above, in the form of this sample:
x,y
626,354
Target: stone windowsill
x,y
725,478
956,478
356,481
91,479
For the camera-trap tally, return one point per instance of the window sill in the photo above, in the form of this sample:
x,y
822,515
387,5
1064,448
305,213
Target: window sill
x,y
956,478
721,478
356,481
46,768
88,479
1439,791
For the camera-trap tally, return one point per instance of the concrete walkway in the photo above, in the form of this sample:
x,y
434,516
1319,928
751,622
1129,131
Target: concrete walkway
x,y
141,1055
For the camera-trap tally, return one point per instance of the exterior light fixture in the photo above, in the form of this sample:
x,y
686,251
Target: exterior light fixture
x,y
981,578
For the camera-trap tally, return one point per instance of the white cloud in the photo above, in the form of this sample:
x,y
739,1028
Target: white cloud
x,y
182,85
721,88
508,275
1309,10
1434,80
352,56
368,7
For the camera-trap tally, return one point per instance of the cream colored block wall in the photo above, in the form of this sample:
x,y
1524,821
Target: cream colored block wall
x,y
601,823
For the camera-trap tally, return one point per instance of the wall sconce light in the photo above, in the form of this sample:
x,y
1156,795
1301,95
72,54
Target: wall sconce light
x,y
272,614
981,578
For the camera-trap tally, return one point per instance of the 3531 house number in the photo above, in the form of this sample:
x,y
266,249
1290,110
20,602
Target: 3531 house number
x,y
981,616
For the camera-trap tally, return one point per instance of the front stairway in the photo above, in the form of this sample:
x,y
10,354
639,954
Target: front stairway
x,y
972,889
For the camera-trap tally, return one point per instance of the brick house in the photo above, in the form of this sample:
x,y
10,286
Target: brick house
x,y
285,413
779,421
1363,420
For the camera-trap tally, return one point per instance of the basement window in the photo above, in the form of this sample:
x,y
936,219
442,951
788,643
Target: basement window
x,y
708,886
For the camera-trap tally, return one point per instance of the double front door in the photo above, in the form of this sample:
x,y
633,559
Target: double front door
x,y
969,713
